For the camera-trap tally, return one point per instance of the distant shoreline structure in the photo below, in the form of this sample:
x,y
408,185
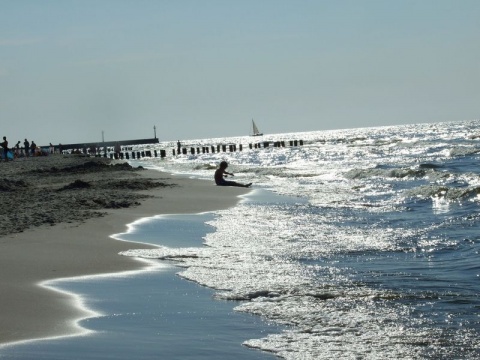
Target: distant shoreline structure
x,y
106,144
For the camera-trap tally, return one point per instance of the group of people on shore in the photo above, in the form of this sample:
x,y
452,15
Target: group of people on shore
x,y
17,151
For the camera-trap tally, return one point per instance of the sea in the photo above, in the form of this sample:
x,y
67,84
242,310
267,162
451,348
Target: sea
x,y
352,244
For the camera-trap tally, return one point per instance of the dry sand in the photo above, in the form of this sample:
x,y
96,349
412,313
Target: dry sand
x,y
56,216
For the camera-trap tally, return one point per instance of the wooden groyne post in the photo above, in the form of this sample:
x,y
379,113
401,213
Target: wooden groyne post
x,y
128,153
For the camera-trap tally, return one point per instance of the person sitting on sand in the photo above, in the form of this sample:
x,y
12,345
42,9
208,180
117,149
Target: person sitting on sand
x,y
221,172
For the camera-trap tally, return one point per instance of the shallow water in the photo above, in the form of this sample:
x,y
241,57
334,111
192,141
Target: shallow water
x,y
153,314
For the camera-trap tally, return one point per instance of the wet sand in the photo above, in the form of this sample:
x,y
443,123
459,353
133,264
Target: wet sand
x,y
56,220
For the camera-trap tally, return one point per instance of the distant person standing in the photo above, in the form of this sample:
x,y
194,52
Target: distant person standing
x,y
179,146
26,145
5,148
33,146
117,149
17,150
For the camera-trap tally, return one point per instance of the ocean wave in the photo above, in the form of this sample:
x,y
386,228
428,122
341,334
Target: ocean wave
x,y
430,166
398,173
165,253
464,151
443,191
363,142
277,172
205,167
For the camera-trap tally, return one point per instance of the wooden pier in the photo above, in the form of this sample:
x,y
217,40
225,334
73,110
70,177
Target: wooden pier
x,y
105,144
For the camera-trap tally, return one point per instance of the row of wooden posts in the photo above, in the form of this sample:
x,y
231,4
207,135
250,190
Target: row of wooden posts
x,y
201,150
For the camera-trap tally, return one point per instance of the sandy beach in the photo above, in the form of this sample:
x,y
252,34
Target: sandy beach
x,y
57,216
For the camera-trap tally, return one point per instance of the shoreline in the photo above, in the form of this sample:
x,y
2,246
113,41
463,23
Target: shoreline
x,y
28,259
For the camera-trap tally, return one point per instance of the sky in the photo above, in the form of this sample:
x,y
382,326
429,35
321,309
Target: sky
x,y
72,70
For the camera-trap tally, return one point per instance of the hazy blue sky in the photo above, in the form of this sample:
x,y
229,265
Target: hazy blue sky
x,y
204,68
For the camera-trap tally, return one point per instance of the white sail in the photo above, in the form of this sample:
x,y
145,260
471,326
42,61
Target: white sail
x,y
256,132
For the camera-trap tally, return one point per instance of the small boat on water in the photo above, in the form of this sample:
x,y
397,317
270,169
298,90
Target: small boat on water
x,y
256,132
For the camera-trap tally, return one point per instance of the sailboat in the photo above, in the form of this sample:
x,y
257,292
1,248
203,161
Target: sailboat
x,y
255,130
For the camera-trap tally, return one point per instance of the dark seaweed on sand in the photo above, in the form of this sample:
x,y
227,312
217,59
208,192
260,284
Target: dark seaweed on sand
x,y
71,191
